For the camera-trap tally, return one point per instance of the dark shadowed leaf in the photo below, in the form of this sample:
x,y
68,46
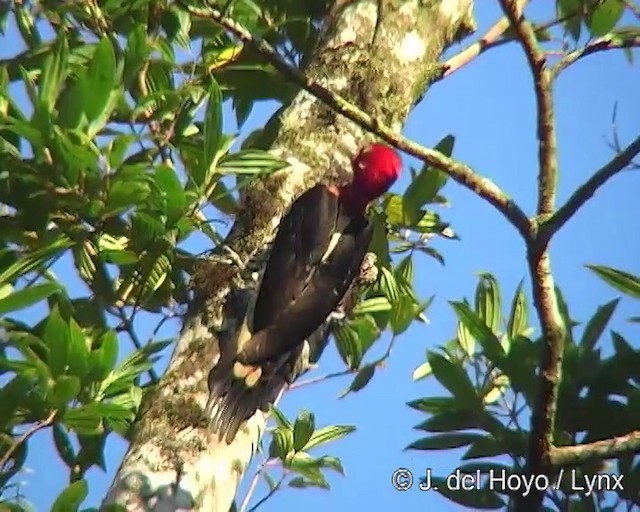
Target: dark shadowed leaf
x,y
443,441
482,499
597,324
453,377
361,380
63,445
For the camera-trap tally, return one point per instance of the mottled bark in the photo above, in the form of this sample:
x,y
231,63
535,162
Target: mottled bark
x,y
381,60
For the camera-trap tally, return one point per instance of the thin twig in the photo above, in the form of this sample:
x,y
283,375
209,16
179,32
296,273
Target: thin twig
x,y
253,485
322,378
271,492
606,43
25,436
490,39
459,172
633,8
586,190
129,328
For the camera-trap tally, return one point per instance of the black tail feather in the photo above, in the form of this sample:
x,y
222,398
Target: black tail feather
x,y
231,402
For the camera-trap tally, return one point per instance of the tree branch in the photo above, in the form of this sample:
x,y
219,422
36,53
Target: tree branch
x,y
489,40
605,449
548,161
544,295
606,43
589,188
459,172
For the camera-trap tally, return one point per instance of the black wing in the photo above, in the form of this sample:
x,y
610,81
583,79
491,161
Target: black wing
x,y
303,237
323,291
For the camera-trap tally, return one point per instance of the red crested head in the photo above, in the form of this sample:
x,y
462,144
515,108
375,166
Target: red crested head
x,y
375,169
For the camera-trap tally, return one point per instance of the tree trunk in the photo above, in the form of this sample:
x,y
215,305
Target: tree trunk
x,y
379,54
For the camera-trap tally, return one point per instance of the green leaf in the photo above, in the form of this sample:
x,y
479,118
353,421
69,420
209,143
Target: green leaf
x,y
433,405
27,297
327,434
70,105
388,285
425,186
118,147
124,193
623,281
53,73
56,335
100,80
168,181
604,16
361,380
402,313
453,377
78,359
518,323
65,389
465,340
70,499
250,162
479,330
212,127
327,461
103,359
597,324
422,371
444,441
281,443
33,260
348,345
488,301
570,10
372,305
302,430
280,418
304,464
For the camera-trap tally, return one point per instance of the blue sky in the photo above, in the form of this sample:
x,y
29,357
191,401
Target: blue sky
x,y
489,107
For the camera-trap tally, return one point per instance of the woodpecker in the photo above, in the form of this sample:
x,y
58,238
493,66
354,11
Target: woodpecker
x,y
316,255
